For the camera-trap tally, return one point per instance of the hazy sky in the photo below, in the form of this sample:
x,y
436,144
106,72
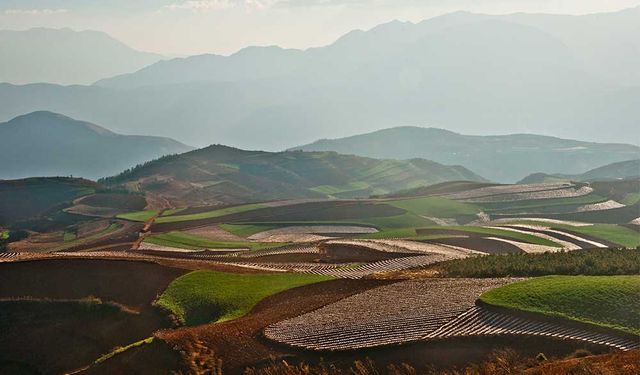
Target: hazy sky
x,y
224,26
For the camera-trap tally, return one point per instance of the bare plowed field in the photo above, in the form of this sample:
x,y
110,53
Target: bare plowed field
x,y
394,314
483,321
497,190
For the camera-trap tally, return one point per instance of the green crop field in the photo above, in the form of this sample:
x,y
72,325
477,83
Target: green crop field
x,y
203,296
435,207
193,242
138,215
210,214
540,203
608,301
579,262
523,237
620,235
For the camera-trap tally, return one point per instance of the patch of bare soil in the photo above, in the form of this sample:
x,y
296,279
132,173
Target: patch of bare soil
x,y
57,336
486,245
51,334
134,284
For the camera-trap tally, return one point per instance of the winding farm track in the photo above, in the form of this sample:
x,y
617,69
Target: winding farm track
x,y
483,321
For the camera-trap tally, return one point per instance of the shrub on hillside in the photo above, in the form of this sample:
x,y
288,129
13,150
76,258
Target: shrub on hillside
x,y
579,262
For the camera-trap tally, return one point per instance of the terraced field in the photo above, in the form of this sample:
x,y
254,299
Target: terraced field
x,y
483,321
394,314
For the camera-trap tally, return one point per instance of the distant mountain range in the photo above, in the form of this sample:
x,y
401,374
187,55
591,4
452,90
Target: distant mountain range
x,y
628,169
502,158
470,73
221,174
65,56
49,144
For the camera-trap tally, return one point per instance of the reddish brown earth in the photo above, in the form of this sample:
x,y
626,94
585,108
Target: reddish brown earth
x,y
135,284
53,331
619,363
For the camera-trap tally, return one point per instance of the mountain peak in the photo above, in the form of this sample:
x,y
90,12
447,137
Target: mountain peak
x,y
50,119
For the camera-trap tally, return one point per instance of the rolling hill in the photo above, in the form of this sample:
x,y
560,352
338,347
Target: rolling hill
x,y
627,169
65,56
49,144
221,174
503,158
465,72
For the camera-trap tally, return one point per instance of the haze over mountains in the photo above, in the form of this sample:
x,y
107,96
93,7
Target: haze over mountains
x,y
48,144
65,56
471,73
506,158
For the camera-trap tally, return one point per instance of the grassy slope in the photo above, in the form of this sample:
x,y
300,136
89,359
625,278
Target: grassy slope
x,y
190,241
609,232
609,301
435,207
523,237
202,296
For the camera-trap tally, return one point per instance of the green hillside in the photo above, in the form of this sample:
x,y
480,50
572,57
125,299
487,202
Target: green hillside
x,y
221,174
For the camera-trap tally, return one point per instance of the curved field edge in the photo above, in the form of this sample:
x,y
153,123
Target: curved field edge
x,y
522,237
613,233
204,296
193,242
605,301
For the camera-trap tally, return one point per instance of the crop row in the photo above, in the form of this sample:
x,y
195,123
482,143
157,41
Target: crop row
x,y
568,192
392,314
504,189
480,321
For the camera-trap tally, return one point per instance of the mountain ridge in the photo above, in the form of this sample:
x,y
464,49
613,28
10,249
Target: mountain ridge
x,y
44,143
501,158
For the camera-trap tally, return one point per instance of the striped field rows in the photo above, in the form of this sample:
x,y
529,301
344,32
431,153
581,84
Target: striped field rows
x,y
482,321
